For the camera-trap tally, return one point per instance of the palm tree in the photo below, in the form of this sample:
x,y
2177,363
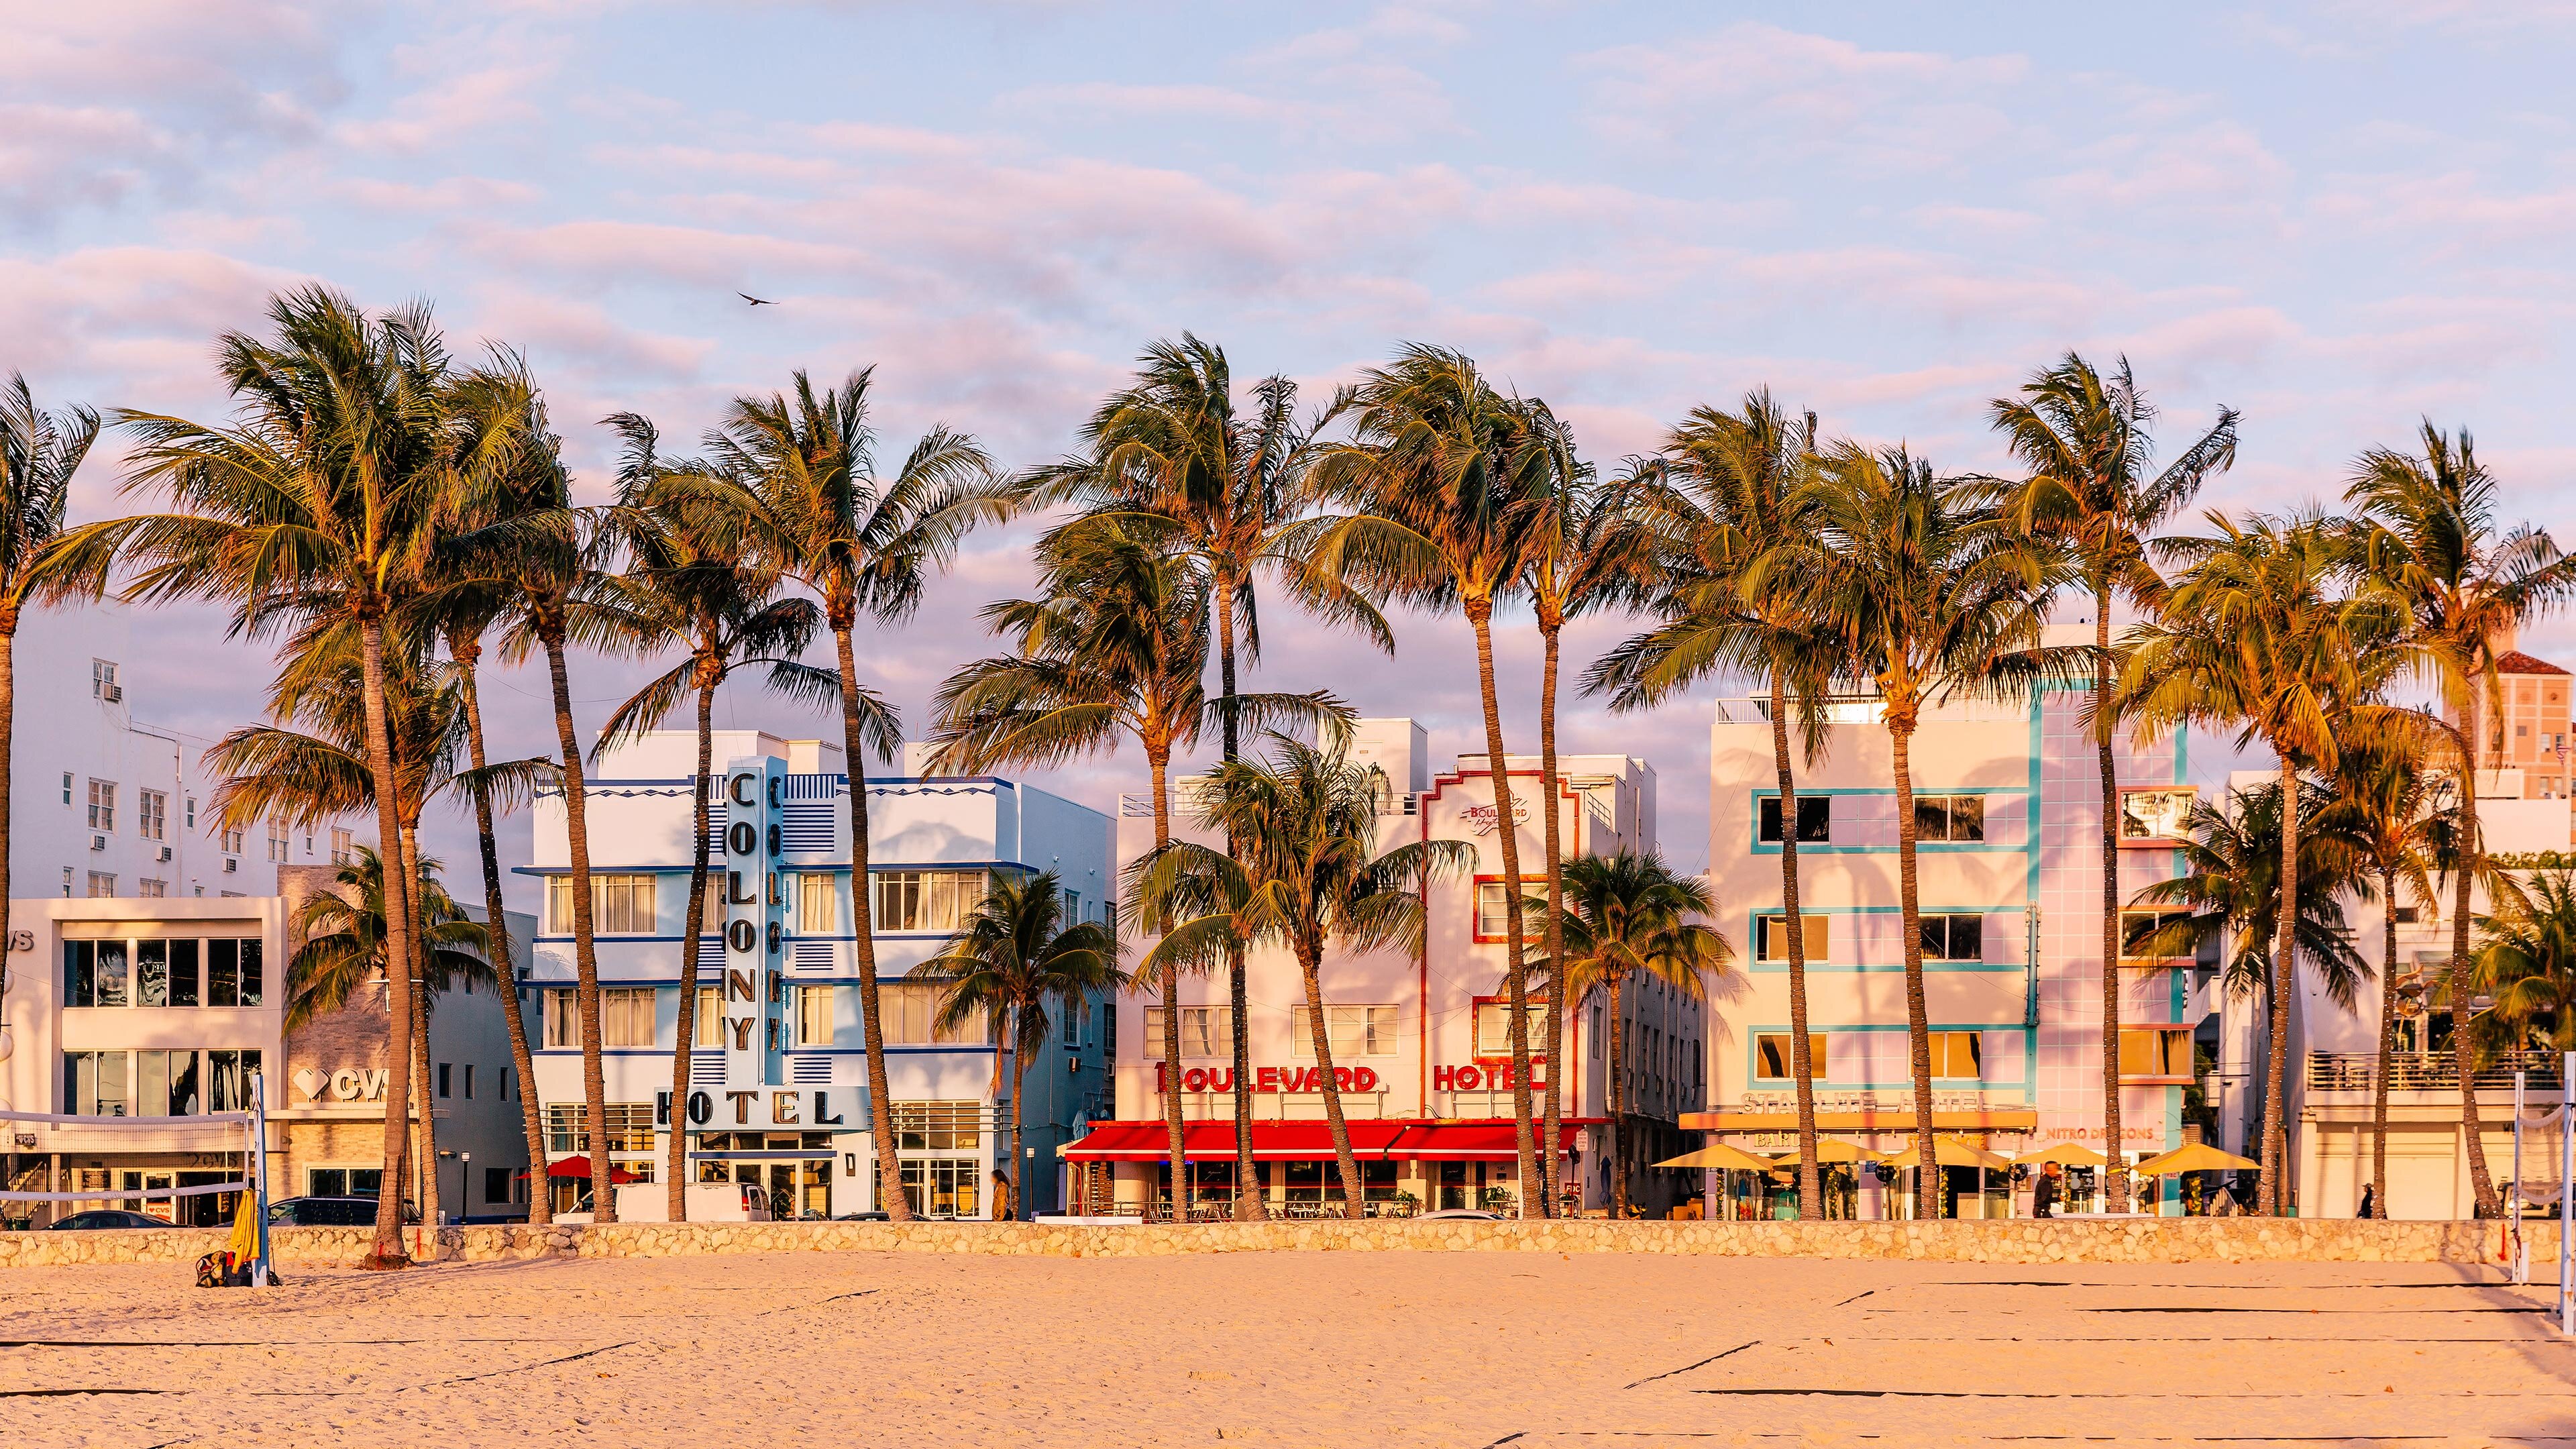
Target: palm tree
x,y
1934,599
682,587
39,452
2265,632
1170,462
554,562
344,942
1728,491
2428,532
2528,963
795,480
2093,490
1115,646
1450,481
1013,960
1589,553
2400,816
1628,917
1305,873
347,454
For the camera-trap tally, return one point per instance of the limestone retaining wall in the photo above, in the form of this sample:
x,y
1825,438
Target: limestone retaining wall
x,y
2157,1240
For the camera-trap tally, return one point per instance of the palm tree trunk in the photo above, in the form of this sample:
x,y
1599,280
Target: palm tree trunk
x,y
429,1188
1310,961
2387,1034
2471,851
1248,1206
8,742
694,934
1615,1131
1159,762
585,941
2115,1167
2285,981
1552,1030
1918,1026
387,1249
1020,1164
863,928
1480,614
541,1208
1802,1065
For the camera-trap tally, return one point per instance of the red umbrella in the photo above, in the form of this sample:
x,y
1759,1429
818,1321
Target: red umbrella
x,y
579,1167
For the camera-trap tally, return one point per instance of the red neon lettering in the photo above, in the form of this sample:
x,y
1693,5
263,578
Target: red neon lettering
x,y
1266,1080
1469,1079
1341,1079
1364,1079
1220,1079
1194,1080
1162,1077
1444,1079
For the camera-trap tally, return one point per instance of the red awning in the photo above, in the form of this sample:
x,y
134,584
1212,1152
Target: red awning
x,y
579,1167
1304,1141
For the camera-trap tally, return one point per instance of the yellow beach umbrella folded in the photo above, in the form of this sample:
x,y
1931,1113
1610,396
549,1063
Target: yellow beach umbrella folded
x,y
2197,1157
1722,1155
1951,1152
2064,1154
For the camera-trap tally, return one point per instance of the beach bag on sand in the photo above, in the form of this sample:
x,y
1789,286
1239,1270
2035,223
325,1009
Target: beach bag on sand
x,y
222,1270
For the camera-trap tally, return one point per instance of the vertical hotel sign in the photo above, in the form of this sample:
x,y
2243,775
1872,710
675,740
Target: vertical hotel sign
x,y
753,1001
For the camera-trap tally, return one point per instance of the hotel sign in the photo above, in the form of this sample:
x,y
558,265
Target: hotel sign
x,y
753,985
783,1109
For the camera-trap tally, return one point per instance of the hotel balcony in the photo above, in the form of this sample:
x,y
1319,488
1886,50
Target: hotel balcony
x,y
2350,1073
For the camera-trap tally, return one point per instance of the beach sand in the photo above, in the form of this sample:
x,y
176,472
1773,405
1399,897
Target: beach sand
x,y
1450,1349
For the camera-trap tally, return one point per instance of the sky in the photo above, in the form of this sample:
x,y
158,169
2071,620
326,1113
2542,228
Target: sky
x,y
2338,217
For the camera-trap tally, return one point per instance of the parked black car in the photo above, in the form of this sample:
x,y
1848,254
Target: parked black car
x,y
323,1212
108,1218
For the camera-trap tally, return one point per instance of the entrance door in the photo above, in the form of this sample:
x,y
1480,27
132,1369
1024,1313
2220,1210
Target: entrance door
x,y
166,1209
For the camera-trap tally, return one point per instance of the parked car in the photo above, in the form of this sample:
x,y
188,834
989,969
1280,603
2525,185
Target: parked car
x,y
323,1212
1457,1214
108,1218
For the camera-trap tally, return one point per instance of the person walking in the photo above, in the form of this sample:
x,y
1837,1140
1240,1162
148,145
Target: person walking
x,y
2043,1197
2368,1190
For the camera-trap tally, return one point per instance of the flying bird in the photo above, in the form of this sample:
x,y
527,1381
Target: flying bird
x,y
755,301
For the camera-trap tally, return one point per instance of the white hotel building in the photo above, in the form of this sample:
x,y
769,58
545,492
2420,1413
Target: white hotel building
x,y
1424,1037
778,1067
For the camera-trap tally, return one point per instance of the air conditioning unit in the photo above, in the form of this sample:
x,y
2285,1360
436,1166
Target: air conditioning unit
x,y
165,855
113,694
98,842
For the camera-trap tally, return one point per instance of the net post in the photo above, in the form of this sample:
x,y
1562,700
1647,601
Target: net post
x,y
259,1274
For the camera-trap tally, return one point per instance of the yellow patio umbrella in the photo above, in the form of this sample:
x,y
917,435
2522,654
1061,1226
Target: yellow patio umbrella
x,y
1724,1156
2065,1154
2197,1157
1951,1152
1834,1149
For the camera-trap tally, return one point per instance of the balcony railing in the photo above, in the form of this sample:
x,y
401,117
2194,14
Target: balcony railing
x,y
2439,1071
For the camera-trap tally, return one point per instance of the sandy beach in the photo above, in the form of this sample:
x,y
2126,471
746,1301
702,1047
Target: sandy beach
x,y
1456,1350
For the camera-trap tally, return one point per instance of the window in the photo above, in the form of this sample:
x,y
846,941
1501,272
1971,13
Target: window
x,y
924,900
1357,1031
277,840
1954,938
1491,923
184,978
231,840
814,1016
619,904
101,884
67,882
706,1029
1073,908
1206,1031
102,804
1815,935
496,1185
1815,818
937,1126
509,1084
228,1077
67,787
446,1078
96,1084
2409,915
152,814
1494,1028
1949,817
2155,1052
939,1187
1073,1012
625,1017
905,1012
191,802
2149,936
152,888
818,907
469,1081
347,1181
1773,1058
630,1126
102,680
1958,1054
233,970
343,847
2155,816
1600,1032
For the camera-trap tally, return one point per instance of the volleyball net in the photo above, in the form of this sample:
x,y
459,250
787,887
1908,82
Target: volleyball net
x,y
246,1121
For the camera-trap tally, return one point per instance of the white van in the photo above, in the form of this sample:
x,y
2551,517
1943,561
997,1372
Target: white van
x,y
707,1202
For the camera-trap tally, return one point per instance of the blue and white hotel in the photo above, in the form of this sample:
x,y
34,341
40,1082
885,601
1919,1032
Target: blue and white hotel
x,y
778,1070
